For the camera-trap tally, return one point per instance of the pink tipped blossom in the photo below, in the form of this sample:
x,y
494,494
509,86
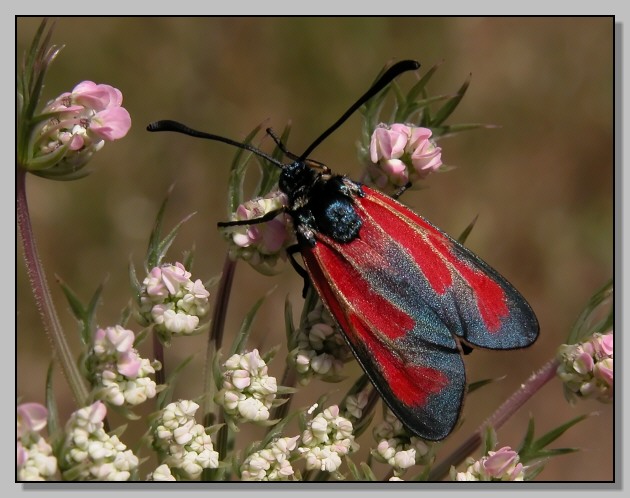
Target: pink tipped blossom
x,y
31,417
129,364
586,368
261,244
503,462
400,154
76,125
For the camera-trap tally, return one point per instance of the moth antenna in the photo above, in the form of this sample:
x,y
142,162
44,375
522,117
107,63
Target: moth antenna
x,y
280,145
382,82
176,126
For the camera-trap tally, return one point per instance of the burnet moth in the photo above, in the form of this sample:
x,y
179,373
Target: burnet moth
x,y
406,295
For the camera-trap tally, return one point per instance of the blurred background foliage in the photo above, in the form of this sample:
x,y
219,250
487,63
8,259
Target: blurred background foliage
x,y
542,183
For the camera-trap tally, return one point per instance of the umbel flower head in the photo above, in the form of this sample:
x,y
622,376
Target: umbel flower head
x,y
400,154
500,465
172,301
272,463
248,392
185,446
320,350
397,447
261,244
90,454
327,437
117,369
72,127
35,461
587,368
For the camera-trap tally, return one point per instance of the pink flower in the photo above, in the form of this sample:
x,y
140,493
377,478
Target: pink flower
x,y
31,417
389,143
174,277
79,123
111,124
122,339
426,157
502,463
603,371
95,96
129,364
586,368
261,243
95,108
401,153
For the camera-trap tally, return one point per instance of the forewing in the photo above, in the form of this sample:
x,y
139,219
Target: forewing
x,y
408,353
470,298
400,291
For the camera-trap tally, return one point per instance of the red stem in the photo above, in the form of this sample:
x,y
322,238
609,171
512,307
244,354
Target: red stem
x,y
43,298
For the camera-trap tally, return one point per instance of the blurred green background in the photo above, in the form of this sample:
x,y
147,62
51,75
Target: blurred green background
x,y
542,183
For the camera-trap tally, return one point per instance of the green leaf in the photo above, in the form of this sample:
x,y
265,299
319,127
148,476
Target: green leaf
x,y
419,87
446,110
587,322
409,109
531,450
90,324
154,238
241,338
473,386
354,471
449,130
489,439
270,172
85,316
367,472
166,396
76,306
51,405
289,326
464,235
164,244
237,173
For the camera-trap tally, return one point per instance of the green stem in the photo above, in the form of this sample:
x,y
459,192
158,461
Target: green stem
x,y
535,382
43,298
158,354
215,340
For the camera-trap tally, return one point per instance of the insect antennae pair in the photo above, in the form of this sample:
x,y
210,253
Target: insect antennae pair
x,y
386,78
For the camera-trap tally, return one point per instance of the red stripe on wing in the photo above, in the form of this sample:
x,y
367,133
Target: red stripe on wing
x,y
370,322
411,384
351,288
432,251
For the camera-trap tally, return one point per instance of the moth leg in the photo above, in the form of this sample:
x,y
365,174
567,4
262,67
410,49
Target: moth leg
x,y
296,266
401,190
266,217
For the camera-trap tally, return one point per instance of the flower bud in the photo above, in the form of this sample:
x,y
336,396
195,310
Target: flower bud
x,y
73,127
400,154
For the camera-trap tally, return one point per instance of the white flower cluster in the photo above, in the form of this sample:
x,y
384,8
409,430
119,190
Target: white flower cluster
x,y
186,445
271,463
397,448
162,473
500,465
35,461
90,453
587,368
321,350
248,392
355,403
171,300
327,437
117,367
